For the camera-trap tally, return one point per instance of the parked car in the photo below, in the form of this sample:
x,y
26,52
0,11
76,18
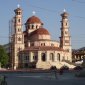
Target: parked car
x,y
78,68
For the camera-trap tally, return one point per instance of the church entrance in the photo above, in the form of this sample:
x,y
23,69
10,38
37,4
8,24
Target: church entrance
x,y
58,56
43,57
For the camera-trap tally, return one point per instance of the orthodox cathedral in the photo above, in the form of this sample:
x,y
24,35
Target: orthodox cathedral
x,y
34,47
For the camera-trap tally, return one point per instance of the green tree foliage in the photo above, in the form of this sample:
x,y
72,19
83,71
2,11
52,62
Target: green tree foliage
x,y
3,57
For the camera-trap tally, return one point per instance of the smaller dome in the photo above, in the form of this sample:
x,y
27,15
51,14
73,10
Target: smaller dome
x,y
40,31
18,9
64,14
33,19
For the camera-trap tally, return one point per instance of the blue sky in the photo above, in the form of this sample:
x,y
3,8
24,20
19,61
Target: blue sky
x,y
49,12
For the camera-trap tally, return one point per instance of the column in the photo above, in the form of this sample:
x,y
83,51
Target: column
x,y
55,56
47,56
31,57
39,56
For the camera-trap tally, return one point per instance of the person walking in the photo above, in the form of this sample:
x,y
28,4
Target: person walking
x,y
61,71
4,82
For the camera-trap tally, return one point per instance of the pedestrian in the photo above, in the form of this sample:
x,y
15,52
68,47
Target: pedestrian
x,y
4,82
61,71
55,72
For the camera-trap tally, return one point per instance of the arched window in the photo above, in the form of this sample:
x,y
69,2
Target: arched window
x,y
19,39
66,32
19,20
36,26
26,58
42,44
19,29
19,13
35,58
28,26
32,26
43,57
52,56
67,24
58,56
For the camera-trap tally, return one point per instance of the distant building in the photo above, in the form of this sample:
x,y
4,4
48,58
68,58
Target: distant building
x,y
34,46
78,55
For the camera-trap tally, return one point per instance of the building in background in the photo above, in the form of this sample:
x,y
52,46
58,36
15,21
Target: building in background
x,y
34,47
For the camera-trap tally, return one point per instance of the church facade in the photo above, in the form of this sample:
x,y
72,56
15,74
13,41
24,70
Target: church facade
x,y
34,46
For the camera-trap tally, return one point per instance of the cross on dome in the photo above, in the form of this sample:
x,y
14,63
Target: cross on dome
x,y
33,12
64,10
18,5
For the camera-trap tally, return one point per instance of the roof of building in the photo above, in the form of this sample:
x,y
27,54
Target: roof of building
x,y
42,48
40,31
33,19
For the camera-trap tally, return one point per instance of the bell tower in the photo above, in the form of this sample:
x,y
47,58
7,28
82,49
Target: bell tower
x,y
18,37
65,39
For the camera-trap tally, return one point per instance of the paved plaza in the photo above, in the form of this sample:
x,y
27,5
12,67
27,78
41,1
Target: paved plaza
x,y
29,78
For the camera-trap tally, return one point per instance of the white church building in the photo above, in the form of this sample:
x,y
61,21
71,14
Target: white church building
x,y
34,47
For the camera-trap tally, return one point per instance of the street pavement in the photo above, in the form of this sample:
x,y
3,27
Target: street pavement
x,y
52,78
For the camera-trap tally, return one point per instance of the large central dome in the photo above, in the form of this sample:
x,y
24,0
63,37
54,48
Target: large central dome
x,y
33,19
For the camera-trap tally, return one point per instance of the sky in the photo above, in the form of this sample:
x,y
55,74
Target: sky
x,y
49,12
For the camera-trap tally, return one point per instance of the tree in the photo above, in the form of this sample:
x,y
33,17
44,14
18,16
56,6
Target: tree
x,y
3,57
